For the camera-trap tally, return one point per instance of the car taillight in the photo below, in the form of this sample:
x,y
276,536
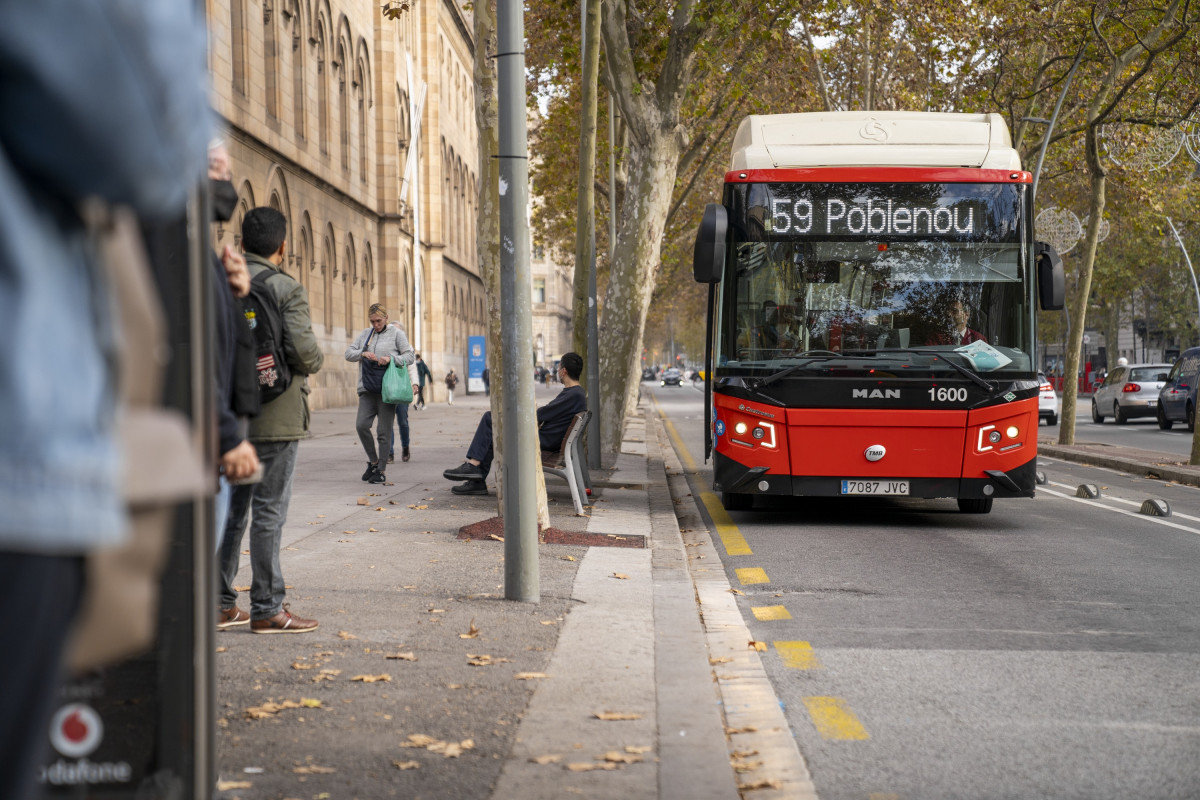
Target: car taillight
x,y
1131,387
1045,387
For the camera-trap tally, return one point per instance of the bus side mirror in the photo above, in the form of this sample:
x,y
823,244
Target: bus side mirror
x,y
1051,282
708,261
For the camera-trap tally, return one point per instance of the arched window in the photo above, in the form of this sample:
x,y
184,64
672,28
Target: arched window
x,y
271,61
368,283
304,258
361,78
237,29
350,280
299,89
322,90
342,69
329,270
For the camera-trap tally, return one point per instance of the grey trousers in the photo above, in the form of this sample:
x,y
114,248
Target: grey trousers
x,y
266,504
371,408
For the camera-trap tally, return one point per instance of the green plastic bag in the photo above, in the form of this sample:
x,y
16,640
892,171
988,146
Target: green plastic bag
x,y
397,388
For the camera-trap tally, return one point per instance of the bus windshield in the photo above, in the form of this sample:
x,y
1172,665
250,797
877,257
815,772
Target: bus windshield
x,y
874,271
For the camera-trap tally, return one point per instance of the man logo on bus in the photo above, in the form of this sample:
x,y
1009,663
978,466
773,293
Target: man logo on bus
x,y
876,394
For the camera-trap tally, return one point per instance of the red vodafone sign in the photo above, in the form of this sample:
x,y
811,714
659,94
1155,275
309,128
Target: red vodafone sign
x,y
76,730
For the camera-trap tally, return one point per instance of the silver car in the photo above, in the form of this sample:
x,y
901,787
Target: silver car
x,y
1128,392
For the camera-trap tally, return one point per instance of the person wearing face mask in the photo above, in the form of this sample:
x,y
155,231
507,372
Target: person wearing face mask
x,y
236,388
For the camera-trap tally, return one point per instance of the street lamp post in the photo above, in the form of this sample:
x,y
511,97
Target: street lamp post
x,y
1188,258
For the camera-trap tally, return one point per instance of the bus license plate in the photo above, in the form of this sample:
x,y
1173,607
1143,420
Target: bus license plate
x,y
874,487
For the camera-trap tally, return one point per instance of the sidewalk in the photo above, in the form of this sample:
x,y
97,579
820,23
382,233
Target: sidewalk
x,y
423,682
1144,463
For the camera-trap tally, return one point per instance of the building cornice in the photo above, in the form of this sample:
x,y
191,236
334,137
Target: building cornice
x,y
461,24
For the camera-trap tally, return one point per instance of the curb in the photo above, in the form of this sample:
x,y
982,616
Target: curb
x,y
1188,476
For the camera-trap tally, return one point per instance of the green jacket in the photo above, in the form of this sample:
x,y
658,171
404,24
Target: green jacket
x,y
285,419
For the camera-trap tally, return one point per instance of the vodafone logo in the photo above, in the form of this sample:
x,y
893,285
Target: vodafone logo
x,y
76,730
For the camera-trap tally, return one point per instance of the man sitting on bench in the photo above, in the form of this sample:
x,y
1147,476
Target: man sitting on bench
x,y
553,420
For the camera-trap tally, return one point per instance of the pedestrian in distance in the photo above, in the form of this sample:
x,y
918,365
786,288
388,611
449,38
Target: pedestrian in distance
x,y
451,382
124,117
374,349
423,374
553,420
276,433
487,382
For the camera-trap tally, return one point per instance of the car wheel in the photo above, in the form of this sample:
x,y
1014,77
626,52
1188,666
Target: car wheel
x,y
975,505
1191,417
1097,417
1119,414
736,501
1163,422
1052,419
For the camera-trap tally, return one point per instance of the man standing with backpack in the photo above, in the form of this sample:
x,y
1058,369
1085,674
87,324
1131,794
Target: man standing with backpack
x,y
287,354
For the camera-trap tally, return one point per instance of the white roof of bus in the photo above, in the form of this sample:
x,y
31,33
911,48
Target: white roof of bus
x,y
874,139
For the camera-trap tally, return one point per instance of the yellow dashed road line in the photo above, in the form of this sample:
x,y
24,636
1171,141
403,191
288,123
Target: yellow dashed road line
x,y
749,575
797,655
834,720
769,613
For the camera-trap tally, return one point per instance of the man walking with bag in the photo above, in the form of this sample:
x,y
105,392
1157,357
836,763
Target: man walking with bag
x,y
276,433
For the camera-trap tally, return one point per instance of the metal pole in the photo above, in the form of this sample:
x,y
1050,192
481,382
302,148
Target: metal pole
x,y
1187,258
1037,171
516,302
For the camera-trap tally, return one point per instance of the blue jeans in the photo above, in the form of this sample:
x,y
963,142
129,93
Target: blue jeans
x,y
266,504
402,423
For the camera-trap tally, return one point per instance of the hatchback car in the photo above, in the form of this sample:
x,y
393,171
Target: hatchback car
x,y
1177,398
1047,400
671,377
1128,392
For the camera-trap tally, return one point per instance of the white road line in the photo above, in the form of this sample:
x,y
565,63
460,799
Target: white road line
x,y
1116,499
1144,517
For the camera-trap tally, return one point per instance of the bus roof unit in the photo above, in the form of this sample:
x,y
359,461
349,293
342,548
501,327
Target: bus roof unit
x,y
874,138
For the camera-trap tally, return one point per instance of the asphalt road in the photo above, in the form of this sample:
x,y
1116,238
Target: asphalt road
x,y
1050,649
1141,433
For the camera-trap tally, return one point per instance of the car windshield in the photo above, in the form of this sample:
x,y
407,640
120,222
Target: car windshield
x,y
859,269
1149,374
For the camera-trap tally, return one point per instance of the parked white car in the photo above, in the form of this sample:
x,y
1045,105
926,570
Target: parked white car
x,y
1129,391
1047,400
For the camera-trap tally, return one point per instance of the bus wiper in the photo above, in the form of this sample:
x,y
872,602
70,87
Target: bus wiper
x,y
813,357
973,376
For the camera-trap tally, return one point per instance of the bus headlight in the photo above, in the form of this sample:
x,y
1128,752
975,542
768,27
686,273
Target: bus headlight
x,y
740,428
1012,432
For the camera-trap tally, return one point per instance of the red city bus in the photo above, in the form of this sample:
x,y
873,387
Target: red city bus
x,y
873,284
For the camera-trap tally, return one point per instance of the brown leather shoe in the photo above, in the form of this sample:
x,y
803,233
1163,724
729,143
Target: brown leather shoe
x,y
283,622
228,617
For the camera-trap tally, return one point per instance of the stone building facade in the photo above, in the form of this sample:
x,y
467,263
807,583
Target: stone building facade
x,y
553,300
361,130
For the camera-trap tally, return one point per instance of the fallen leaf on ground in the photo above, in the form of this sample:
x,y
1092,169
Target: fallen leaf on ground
x,y
529,676
419,508
241,588
759,646
568,558
742,754
613,716
310,702
313,770
349,531
372,530
743,729
271,709
403,656
225,786
406,764
638,748
345,635
447,749
379,509
745,766
320,516
737,591
362,501
472,632
548,759
577,767
764,784
549,622
621,576
300,665
384,678
222,649
495,538
617,757
720,660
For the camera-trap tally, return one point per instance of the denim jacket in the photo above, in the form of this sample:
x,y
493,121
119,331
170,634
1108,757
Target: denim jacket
x,y
103,99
